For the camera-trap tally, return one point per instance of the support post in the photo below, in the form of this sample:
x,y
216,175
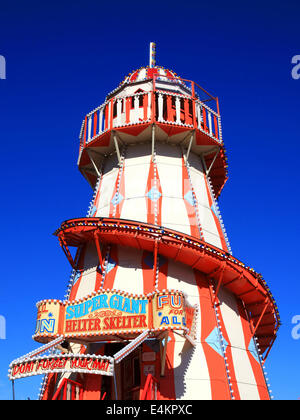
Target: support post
x,y
86,177
203,163
190,145
213,161
268,351
219,283
13,389
117,147
93,162
65,248
153,142
163,356
115,385
85,132
98,249
260,318
155,260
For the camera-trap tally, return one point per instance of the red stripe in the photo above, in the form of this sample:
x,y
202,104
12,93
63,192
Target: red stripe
x,y
256,367
151,72
133,77
111,275
98,282
148,275
215,362
152,182
167,382
216,219
228,353
74,289
163,274
96,201
186,187
118,207
169,74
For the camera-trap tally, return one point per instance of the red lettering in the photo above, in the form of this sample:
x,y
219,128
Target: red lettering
x,y
91,324
128,323
69,326
106,323
143,321
119,321
97,324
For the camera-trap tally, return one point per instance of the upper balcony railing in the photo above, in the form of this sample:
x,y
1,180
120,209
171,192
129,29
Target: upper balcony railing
x,y
160,105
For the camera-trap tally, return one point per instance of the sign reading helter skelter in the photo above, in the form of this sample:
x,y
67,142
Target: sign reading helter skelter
x,y
110,312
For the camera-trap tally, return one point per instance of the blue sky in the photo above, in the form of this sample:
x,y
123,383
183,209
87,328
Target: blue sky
x,y
63,58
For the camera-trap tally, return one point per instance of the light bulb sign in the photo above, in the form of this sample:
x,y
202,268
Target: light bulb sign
x,y
97,365
110,312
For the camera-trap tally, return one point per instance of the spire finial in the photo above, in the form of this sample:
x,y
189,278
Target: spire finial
x,y
152,61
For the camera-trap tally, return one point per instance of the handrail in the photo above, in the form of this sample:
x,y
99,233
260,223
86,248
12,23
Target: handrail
x,y
151,106
63,386
150,382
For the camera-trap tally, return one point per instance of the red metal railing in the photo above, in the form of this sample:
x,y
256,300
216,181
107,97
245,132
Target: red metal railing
x,y
157,105
68,390
151,389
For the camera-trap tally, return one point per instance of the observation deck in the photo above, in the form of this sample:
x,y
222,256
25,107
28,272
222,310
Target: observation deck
x,y
160,108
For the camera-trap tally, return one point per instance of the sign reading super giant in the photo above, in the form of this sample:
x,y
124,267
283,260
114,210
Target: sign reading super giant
x,y
106,313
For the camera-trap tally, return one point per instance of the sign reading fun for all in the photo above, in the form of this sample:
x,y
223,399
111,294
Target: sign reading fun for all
x,y
110,312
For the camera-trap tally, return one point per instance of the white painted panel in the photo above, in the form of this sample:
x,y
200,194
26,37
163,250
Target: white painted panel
x,y
244,375
192,380
129,276
141,74
138,154
174,215
88,279
169,166
207,221
135,209
231,317
103,212
212,239
191,376
181,277
195,163
166,152
198,182
136,172
106,189
248,392
241,362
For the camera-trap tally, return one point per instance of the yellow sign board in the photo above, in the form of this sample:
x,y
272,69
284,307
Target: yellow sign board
x,y
110,312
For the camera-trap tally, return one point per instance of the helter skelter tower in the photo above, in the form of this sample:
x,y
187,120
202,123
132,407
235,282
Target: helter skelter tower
x,y
154,285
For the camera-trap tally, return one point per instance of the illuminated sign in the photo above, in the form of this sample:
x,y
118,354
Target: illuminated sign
x,y
98,365
110,312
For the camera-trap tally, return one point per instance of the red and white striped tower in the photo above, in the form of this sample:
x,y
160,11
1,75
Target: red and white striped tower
x,y
154,154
